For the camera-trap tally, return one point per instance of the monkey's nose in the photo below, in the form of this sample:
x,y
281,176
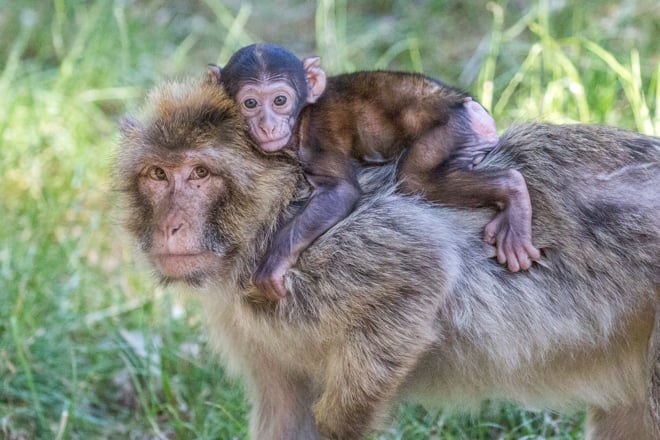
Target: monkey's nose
x,y
174,229
267,129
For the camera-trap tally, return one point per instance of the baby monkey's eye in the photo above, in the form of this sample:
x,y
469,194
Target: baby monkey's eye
x,y
280,100
250,103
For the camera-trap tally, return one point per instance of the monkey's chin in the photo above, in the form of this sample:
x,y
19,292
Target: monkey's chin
x,y
274,145
190,268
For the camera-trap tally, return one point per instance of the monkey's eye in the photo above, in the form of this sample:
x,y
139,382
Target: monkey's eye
x,y
250,103
199,172
157,173
280,100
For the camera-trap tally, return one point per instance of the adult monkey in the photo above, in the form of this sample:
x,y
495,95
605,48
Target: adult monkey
x,y
400,300
370,118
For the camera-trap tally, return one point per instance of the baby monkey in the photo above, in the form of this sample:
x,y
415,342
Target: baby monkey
x,y
336,124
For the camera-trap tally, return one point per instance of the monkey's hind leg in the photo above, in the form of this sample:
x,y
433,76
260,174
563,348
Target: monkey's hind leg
x,y
511,228
621,423
432,168
361,381
280,401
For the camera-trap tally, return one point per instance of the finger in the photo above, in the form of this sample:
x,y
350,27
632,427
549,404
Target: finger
x,y
524,262
510,254
489,235
501,252
512,262
265,286
272,292
491,231
533,252
280,289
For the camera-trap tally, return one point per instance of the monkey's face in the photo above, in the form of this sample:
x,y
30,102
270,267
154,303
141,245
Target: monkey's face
x,y
191,177
271,108
178,228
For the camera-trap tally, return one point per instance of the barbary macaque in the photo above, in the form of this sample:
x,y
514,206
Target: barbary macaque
x,y
368,118
401,300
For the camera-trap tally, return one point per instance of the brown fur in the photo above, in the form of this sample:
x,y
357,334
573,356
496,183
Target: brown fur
x,y
371,117
381,114
401,300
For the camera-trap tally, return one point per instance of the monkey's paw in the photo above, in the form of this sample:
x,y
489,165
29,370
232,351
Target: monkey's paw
x,y
513,246
269,280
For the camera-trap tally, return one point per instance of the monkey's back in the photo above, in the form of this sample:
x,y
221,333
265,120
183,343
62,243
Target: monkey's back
x,y
588,181
399,271
596,215
374,115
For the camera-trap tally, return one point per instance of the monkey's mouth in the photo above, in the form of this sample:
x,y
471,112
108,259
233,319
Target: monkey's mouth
x,y
274,145
183,266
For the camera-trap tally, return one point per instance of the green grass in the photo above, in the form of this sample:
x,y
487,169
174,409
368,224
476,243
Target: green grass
x,y
90,345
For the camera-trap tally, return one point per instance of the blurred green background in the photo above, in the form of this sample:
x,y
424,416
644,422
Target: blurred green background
x,y
90,345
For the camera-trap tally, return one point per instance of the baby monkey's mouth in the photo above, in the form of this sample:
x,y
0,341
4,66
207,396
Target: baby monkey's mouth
x,y
275,144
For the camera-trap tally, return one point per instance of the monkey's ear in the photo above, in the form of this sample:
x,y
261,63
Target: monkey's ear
x,y
315,78
213,74
129,125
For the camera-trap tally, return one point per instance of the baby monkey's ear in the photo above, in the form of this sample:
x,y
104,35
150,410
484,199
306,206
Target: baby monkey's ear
x,y
315,77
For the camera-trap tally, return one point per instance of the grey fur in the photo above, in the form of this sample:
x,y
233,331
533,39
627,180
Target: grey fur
x,y
403,300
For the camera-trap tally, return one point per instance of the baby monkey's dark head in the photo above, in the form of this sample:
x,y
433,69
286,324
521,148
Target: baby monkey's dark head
x,y
271,85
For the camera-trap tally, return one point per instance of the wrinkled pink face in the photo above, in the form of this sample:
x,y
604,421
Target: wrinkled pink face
x,y
270,108
179,194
